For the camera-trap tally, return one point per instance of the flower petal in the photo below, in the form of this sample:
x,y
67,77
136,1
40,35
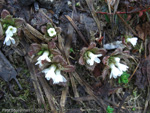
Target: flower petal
x,y
8,43
7,40
133,40
14,30
122,67
97,60
115,72
44,56
90,62
10,31
13,40
117,59
59,78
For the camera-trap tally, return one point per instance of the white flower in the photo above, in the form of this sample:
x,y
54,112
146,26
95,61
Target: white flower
x,y
133,40
55,75
50,72
117,68
8,40
92,58
59,78
44,56
69,3
10,31
115,72
121,67
51,32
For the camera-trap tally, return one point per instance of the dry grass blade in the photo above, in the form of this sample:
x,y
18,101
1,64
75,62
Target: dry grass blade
x,y
74,87
116,6
37,87
32,33
63,99
90,5
108,3
75,27
68,40
61,44
1,30
134,72
50,97
89,91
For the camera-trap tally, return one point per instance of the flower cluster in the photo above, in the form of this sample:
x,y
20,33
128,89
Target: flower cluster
x,y
9,33
50,61
116,67
50,32
89,56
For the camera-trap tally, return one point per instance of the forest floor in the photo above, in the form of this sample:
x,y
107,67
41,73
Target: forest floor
x,y
79,23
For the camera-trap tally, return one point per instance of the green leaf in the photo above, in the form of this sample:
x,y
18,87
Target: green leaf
x,y
133,109
78,4
71,50
124,77
116,19
107,18
125,16
109,109
148,18
8,20
40,52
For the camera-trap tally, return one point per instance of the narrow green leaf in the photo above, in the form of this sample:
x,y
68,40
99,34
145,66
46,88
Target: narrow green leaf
x,y
148,18
107,18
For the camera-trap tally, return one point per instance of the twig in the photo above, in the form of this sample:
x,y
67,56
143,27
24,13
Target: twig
x,y
134,72
127,25
75,27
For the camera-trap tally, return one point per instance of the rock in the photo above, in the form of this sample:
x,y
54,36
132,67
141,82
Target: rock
x,y
7,71
46,3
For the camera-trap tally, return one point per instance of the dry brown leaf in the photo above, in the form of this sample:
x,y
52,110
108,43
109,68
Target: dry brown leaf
x,y
140,32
